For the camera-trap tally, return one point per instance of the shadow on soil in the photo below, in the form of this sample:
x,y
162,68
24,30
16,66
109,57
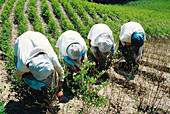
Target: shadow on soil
x,y
35,102
31,101
120,69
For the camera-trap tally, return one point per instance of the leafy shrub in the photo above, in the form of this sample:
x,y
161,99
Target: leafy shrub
x,y
86,91
1,2
64,23
2,109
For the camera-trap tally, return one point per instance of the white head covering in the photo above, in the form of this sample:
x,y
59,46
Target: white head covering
x,y
98,29
74,50
66,39
104,42
41,66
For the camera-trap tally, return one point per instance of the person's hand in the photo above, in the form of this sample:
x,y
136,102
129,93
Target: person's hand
x,y
17,75
60,94
82,61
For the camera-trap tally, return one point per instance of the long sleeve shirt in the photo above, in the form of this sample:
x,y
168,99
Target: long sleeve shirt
x,y
30,43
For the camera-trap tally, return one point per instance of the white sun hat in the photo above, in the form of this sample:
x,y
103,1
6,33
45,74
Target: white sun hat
x,y
104,43
41,66
74,50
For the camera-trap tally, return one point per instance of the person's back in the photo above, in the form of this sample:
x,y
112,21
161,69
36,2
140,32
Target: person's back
x,y
36,61
28,44
101,44
132,37
72,48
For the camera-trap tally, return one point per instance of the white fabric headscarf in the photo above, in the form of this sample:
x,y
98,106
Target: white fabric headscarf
x,y
97,30
67,38
74,51
40,65
105,44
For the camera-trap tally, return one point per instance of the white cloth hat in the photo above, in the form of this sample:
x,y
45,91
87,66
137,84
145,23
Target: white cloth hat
x,y
104,43
41,66
74,50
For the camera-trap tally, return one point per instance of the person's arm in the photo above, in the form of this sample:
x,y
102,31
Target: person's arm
x,y
77,68
60,94
27,74
18,74
60,72
111,56
97,57
95,50
71,62
89,42
15,60
137,51
83,56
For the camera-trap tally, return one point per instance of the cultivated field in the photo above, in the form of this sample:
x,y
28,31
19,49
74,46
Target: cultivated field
x,y
148,92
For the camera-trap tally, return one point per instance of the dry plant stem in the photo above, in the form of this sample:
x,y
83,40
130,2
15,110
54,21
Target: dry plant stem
x,y
156,95
67,108
118,102
162,96
148,96
158,92
50,106
84,107
155,98
141,98
43,105
151,103
122,102
109,105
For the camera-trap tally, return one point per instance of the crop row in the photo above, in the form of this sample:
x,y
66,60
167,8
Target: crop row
x,y
85,9
74,18
64,23
1,2
102,12
19,17
154,23
6,26
6,36
116,16
7,9
48,19
33,16
92,12
76,4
